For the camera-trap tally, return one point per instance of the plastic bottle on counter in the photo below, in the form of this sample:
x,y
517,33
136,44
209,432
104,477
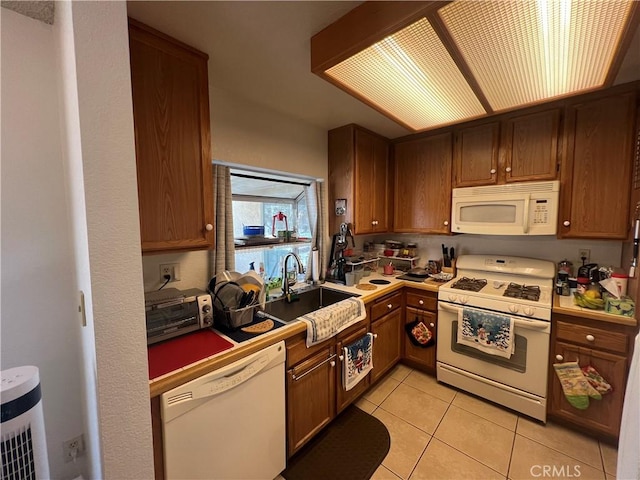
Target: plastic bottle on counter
x,y
621,280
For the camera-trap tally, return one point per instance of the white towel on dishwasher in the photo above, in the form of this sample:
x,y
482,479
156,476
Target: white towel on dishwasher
x,y
329,320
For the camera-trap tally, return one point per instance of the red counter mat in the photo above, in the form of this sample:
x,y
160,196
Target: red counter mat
x,y
178,352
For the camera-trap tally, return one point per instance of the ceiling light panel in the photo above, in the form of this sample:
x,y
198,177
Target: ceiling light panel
x,y
412,77
525,51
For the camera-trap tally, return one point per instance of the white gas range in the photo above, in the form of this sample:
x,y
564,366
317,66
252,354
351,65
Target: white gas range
x,y
503,288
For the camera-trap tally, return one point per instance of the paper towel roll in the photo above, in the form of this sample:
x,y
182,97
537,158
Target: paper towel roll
x,y
315,266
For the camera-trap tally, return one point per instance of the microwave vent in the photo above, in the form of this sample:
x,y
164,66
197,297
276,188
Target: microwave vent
x,y
528,187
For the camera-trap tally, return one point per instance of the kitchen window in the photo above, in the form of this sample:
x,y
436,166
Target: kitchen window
x,y
279,205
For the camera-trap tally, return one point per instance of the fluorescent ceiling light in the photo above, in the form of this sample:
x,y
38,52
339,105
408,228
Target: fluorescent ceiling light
x,y
522,52
412,77
472,58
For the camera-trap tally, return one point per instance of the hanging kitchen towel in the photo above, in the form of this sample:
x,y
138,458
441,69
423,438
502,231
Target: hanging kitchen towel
x,y
329,320
358,361
488,332
575,386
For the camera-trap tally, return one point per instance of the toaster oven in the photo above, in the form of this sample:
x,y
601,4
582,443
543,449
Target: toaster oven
x,y
172,312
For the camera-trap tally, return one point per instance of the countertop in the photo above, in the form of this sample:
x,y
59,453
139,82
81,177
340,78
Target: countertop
x,y
157,386
565,305
173,379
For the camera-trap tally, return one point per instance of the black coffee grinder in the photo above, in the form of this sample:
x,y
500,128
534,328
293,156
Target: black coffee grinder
x,y
337,262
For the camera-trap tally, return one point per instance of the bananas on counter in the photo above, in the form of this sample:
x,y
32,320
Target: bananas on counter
x,y
588,302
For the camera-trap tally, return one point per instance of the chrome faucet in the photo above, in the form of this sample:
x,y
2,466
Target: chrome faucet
x,y
286,288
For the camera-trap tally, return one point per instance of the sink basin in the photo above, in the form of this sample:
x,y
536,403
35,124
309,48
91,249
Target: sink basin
x,y
309,300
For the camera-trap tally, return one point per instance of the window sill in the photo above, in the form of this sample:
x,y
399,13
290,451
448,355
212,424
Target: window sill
x,y
270,243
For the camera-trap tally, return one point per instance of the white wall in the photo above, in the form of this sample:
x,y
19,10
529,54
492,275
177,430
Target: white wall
x,y
100,144
40,324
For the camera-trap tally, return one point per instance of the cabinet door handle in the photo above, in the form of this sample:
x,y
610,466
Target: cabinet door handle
x,y
208,227
341,357
590,338
492,171
432,325
445,223
421,302
375,335
566,223
331,361
559,358
508,169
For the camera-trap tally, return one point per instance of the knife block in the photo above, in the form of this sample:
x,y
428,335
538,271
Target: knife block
x,y
451,269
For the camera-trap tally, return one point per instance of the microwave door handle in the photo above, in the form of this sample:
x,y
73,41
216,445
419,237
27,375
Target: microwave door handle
x,y
525,226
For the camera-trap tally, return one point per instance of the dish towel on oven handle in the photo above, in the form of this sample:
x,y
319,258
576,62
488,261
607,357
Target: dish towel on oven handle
x,y
357,362
490,333
329,320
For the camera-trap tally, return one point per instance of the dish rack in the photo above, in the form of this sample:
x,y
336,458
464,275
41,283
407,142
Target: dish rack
x,y
369,265
229,311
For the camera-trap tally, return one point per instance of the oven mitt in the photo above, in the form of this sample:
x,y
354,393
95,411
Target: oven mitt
x,y
596,380
575,386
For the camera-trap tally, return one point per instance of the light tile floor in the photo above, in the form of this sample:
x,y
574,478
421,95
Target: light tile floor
x,y
438,432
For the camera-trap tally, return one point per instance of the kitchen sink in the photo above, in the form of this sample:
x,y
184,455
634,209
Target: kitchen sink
x,y
308,300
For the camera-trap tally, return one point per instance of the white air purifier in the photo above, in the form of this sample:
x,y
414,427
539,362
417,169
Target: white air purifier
x,y
24,445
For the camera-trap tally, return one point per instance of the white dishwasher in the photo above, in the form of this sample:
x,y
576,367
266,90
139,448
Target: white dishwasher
x,y
230,423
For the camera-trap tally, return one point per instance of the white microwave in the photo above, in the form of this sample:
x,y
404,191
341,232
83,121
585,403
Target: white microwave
x,y
529,208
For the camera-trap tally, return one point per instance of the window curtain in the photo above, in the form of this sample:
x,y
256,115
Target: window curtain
x,y
315,195
223,257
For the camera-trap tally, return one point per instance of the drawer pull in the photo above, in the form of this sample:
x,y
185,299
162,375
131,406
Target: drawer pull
x,y
559,358
331,361
390,306
590,338
421,302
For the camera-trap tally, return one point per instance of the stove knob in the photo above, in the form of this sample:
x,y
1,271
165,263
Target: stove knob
x,y
206,308
513,308
453,298
464,299
528,311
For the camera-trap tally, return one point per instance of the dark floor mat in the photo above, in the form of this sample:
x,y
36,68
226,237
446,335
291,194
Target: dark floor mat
x,y
352,447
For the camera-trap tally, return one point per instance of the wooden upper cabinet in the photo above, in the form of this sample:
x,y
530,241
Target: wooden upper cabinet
x,y
358,173
476,155
170,90
517,147
598,148
529,146
422,172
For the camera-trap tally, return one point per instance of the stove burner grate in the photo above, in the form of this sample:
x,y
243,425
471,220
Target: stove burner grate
x,y
470,284
525,292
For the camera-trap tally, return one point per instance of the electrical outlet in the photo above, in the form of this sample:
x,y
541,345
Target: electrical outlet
x,y
584,253
71,449
171,269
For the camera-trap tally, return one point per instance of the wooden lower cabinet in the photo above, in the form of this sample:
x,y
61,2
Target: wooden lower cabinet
x,y
310,397
421,305
607,348
602,416
420,357
386,328
315,394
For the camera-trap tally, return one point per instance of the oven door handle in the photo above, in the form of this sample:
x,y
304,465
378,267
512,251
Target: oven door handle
x,y
531,324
